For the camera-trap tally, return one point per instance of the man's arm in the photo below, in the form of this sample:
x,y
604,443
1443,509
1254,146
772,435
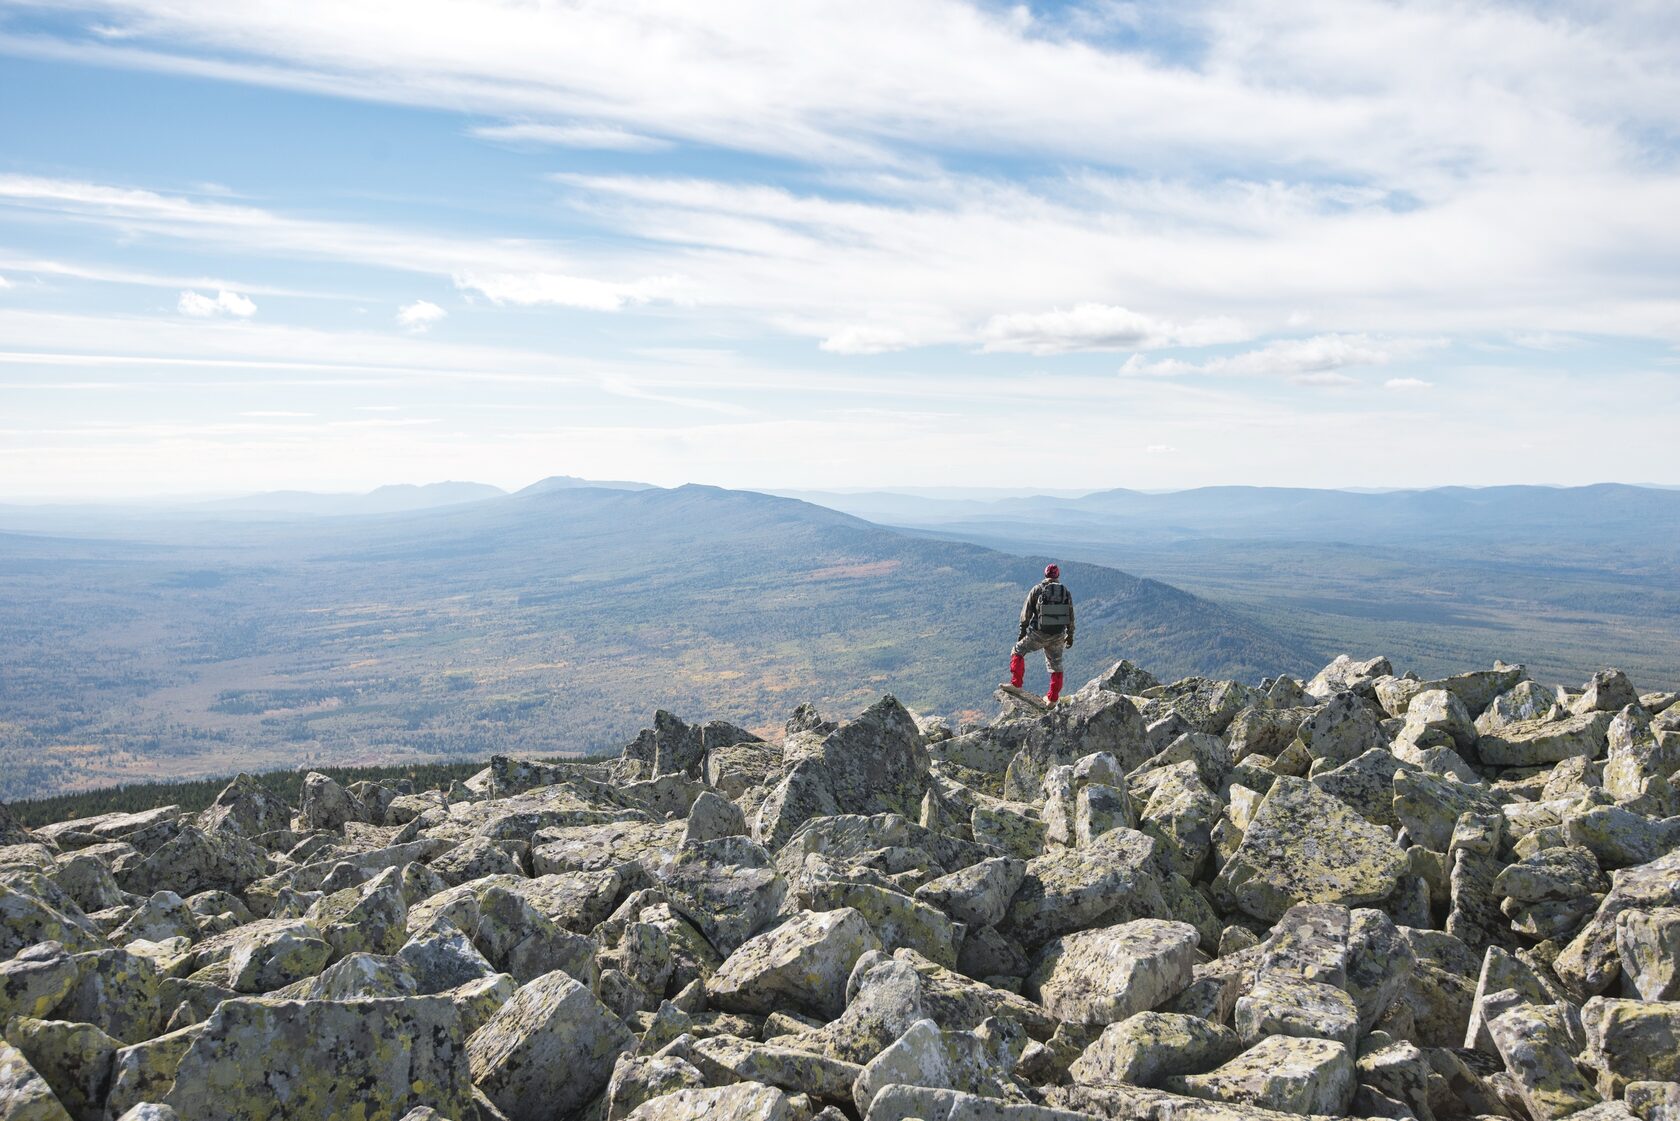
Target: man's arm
x,y
1029,609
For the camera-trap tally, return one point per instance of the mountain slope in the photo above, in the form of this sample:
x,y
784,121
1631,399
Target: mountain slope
x,y
548,622
1569,579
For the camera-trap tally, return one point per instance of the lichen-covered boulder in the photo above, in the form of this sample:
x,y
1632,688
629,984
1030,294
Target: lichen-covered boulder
x,y
979,894
1438,718
1297,1007
1305,846
802,964
728,888
1180,814
1526,700
1345,673
88,880
724,1058
1629,1040
1589,963
1609,690
275,958
742,1101
1429,805
1311,1076
26,921
327,806
1100,976
1086,722
118,991
1012,828
1149,1047
145,1071
547,1051
1648,946
260,1060
476,858
1534,1043
641,1078
246,808
33,982
24,1094
1114,879
1344,728
443,957
1532,743
884,996
370,919
193,861
75,1059
897,919
974,1062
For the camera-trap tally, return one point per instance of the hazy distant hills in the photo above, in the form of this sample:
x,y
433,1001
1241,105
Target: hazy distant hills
x,y
549,620
1481,513
1567,578
394,499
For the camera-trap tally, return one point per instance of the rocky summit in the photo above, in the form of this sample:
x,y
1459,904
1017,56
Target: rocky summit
x,y
1363,895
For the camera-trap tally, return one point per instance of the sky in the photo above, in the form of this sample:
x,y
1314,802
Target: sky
x,y
334,244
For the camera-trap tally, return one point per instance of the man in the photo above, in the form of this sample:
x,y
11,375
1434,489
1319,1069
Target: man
x,y
1047,625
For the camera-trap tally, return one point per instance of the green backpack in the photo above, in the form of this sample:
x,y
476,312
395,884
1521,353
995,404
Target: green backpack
x,y
1055,609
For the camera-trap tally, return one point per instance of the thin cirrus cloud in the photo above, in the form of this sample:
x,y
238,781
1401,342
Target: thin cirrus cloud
x,y
1319,361
599,137
1317,83
223,303
1092,326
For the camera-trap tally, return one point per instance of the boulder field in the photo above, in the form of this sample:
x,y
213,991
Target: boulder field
x,y
1364,895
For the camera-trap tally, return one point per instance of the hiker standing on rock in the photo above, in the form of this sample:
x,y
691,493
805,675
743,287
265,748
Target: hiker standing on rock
x,y
1047,625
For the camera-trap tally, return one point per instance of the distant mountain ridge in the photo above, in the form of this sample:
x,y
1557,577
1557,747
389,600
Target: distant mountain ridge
x,y
547,621
1300,513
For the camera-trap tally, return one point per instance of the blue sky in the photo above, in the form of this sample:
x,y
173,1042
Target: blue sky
x,y
331,244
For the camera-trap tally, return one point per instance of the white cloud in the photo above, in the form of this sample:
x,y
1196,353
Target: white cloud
x,y
420,316
525,289
1364,86
1545,340
603,137
4,283
223,302
867,340
1324,379
1091,326
1315,361
273,413
1407,383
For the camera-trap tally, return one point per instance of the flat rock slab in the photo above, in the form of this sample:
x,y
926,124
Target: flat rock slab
x,y
1150,1047
1100,976
1305,846
1314,1076
258,1060
1532,743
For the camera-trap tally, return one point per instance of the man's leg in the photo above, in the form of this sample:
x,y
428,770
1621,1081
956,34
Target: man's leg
x,y
1018,660
1053,648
